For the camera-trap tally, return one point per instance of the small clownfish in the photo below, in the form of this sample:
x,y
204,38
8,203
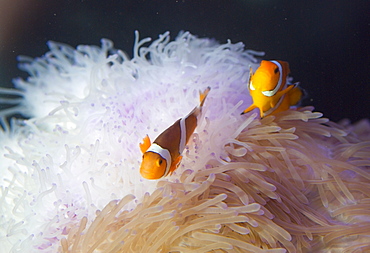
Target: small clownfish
x,y
270,90
163,156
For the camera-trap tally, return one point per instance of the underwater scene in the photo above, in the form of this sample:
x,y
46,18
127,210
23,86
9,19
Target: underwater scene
x,y
184,127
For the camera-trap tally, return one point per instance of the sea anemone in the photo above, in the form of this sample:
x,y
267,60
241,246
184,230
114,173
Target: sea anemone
x,y
70,181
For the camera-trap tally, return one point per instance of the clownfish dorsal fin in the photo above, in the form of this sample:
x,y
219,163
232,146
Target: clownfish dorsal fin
x,y
144,146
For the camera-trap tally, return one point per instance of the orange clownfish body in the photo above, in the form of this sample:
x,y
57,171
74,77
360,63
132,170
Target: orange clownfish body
x,y
270,90
163,156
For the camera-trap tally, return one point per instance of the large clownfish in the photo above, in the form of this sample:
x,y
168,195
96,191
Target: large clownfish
x,y
270,90
163,156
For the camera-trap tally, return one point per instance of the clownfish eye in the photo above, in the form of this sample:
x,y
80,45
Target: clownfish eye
x,y
276,70
159,162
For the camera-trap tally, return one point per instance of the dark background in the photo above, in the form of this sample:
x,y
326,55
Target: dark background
x,y
326,42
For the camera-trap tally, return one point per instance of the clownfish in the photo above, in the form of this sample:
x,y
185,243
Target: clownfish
x,y
163,156
270,90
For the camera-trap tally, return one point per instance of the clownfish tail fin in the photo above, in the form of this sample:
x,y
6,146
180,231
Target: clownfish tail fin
x,y
203,96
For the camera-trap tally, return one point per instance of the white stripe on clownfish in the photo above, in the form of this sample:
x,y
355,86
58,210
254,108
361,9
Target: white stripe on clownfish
x,y
164,153
274,91
270,93
183,135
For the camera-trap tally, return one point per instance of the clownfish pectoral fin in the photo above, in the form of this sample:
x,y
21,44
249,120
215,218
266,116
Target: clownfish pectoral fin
x,y
278,95
285,91
145,144
295,96
250,108
203,95
175,164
